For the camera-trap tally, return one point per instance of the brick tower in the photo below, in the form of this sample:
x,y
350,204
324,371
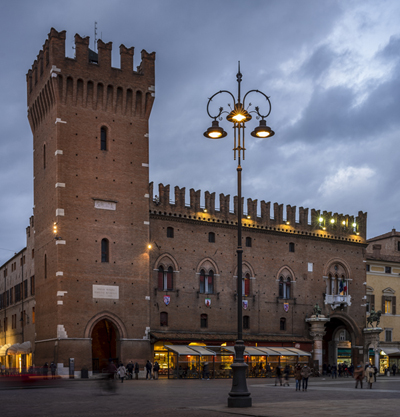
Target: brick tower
x,y
90,140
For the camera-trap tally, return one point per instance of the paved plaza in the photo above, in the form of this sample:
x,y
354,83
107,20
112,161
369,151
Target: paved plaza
x,y
196,398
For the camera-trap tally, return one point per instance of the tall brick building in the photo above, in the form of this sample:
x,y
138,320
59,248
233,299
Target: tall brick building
x,y
102,292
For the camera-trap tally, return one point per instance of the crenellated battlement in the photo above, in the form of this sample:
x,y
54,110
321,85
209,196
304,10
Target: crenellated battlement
x,y
315,222
89,80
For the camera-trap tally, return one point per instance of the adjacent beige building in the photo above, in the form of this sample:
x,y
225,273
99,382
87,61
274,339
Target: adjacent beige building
x,y
383,285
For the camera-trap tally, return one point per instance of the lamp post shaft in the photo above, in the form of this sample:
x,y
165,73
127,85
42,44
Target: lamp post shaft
x,y
239,252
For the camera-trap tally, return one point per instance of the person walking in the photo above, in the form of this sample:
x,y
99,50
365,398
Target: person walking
x,y
305,373
136,370
53,368
298,377
334,371
286,372
394,369
359,374
121,372
156,368
45,370
129,370
370,375
278,375
375,372
206,371
149,367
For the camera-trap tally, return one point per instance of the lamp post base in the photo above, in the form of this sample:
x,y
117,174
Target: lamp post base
x,y
239,397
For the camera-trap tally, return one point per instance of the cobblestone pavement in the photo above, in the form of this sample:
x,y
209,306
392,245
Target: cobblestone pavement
x,y
197,398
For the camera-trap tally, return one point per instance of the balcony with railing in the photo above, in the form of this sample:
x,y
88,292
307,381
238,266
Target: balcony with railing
x,y
337,300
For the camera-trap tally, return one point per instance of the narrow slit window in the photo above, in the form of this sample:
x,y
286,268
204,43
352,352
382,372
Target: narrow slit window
x,y
105,250
103,139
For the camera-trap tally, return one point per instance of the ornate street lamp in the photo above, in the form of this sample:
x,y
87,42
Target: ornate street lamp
x,y
239,395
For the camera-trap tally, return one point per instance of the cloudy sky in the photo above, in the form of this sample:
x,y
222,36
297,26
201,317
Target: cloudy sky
x,y
331,69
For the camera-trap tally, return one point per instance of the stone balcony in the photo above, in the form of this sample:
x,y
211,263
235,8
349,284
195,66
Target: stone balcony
x,y
337,300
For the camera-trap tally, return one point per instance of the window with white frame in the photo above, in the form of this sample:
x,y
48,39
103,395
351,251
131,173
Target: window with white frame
x,y
165,278
206,282
284,287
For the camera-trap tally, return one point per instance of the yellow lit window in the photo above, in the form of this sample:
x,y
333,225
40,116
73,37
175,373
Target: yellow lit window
x,y
388,306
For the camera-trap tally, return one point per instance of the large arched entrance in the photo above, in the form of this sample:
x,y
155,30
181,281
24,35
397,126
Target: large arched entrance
x,y
338,343
104,344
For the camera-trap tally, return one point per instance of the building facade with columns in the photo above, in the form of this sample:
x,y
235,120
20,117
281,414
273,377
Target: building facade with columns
x,y
127,271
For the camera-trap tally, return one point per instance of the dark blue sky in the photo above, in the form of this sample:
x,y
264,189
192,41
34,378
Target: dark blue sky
x,y
331,69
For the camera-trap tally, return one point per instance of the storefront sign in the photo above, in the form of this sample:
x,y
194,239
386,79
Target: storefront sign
x,y
106,291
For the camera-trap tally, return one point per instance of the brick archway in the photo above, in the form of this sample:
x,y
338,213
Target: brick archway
x,y
106,331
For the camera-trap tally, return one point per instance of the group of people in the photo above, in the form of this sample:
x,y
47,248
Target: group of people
x,y
122,371
368,372
301,375
131,369
150,367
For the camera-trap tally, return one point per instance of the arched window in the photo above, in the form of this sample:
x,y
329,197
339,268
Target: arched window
x,y
282,324
105,254
211,237
246,285
203,321
163,319
248,242
206,282
291,247
246,322
103,138
165,279
170,232
284,287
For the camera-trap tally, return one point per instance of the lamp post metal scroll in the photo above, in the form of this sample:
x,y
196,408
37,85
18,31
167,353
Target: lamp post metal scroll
x,y
239,396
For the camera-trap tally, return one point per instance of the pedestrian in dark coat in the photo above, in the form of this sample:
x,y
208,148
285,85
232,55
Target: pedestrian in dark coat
x,y
375,372
305,373
298,377
45,370
156,368
286,373
278,374
53,368
149,367
136,370
129,369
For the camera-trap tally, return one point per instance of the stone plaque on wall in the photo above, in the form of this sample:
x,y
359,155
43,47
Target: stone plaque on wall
x,y
105,205
110,292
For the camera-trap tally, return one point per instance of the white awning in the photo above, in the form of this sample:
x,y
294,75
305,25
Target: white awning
x,y
252,351
3,349
268,351
299,352
182,350
390,351
18,349
203,351
24,348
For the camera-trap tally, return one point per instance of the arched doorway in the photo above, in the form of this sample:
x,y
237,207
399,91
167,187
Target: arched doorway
x,y
104,344
338,343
